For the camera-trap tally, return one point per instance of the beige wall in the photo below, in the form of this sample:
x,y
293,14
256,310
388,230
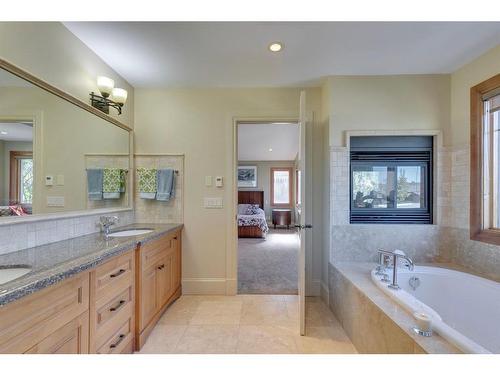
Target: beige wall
x,y
264,181
53,53
482,68
381,103
199,124
63,135
403,102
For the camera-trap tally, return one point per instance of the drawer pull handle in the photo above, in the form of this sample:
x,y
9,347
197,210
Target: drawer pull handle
x,y
117,274
120,339
120,304
161,267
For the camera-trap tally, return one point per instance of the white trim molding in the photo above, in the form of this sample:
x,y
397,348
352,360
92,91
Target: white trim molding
x,y
215,285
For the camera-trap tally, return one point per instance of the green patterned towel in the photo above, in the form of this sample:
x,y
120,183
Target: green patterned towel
x,y
111,183
123,180
147,182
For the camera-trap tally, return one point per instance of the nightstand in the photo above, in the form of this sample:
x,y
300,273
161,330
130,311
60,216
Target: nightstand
x,y
282,217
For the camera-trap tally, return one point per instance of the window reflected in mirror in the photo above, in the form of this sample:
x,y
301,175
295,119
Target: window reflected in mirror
x,y
16,168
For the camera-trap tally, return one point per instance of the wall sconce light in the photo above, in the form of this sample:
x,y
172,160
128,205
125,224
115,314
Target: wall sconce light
x,y
110,96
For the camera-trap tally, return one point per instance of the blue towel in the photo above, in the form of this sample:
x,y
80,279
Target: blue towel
x,y
94,183
165,185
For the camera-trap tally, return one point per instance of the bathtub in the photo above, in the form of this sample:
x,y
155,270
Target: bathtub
x,y
465,309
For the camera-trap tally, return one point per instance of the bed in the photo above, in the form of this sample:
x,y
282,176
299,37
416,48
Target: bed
x,y
251,220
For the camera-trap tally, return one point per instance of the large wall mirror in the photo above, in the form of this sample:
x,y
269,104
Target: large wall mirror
x,y
56,156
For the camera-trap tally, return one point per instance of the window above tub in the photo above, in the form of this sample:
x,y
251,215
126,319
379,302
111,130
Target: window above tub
x,y
485,162
391,179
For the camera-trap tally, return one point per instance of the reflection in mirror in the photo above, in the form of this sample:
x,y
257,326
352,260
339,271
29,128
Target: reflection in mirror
x,y
16,167
51,152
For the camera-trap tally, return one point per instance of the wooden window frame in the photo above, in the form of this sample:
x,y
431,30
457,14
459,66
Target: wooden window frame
x,y
477,232
14,174
290,186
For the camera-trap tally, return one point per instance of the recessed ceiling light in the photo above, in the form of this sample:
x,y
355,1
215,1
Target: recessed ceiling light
x,y
270,150
275,47
3,133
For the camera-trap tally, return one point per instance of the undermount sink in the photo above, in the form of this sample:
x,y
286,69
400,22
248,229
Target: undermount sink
x,y
9,273
130,232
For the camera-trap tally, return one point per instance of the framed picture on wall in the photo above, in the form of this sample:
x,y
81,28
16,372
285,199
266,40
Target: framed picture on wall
x,y
247,176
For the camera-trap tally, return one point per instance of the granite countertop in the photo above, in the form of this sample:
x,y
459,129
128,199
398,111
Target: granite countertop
x,y
57,261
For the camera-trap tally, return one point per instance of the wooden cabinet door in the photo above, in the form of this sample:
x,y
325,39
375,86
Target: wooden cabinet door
x,y
149,293
176,264
164,282
72,338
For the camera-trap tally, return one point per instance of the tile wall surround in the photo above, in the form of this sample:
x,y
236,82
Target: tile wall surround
x,y
24,235
153,211
446,241
109,161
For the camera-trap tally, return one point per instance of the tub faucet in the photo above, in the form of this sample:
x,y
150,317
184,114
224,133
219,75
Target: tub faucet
x,y
107,222
383,262
395,257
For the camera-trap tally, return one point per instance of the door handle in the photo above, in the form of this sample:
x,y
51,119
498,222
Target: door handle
x,y
305,226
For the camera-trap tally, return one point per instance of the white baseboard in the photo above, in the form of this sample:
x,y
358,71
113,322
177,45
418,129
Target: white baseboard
x,y
325,294
204,286
314,288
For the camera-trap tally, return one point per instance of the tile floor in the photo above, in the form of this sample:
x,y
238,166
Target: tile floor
x,y
260,324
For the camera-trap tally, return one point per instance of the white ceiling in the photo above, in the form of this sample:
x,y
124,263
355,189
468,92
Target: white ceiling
x,y
235,54
16,131
255,140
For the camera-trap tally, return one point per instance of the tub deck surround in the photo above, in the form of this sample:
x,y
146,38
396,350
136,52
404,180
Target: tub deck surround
x,y
57,261
373,321
441,293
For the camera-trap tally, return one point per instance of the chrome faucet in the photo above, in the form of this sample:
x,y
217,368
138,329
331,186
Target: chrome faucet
x,y
383,263
107,222
395,257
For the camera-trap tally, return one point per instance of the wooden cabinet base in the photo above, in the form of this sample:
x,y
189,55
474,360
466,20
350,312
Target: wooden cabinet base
x,y
72,338
141,337
158,281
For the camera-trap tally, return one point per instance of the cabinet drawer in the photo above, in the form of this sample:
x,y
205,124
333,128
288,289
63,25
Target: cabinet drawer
x,y
33,318
71,338
116,307
152,251
113,277
119,341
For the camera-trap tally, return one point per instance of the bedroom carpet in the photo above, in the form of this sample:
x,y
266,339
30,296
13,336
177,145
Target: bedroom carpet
x,y
270,265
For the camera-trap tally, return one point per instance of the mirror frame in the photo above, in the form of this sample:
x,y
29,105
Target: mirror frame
x,y
27,76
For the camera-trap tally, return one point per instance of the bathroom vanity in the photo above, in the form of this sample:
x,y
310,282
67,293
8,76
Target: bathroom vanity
x,y
98,296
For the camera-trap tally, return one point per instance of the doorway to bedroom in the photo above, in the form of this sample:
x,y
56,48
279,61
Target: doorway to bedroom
x,y
268,208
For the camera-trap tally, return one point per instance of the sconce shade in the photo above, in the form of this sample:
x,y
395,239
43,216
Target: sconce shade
x,y
119,95
105,85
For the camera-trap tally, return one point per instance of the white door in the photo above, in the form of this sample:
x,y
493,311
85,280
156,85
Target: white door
x,y
303,225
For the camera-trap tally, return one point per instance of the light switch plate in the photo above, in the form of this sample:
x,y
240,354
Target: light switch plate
x,y
208,181
219,181
49,180
55,201
216,202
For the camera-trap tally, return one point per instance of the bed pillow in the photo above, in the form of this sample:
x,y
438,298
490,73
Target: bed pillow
x,y
242,208
5,211
252,209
